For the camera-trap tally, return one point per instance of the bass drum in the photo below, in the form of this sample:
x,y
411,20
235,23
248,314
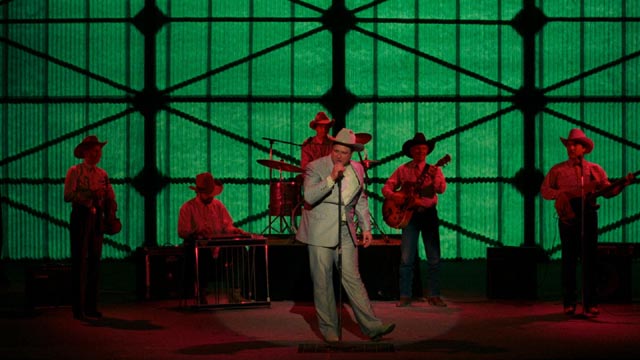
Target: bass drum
x,y
283,197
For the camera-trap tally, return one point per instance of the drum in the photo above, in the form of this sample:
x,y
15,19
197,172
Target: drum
x,y
284,197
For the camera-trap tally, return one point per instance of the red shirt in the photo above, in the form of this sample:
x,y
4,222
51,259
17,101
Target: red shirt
x,y
408,174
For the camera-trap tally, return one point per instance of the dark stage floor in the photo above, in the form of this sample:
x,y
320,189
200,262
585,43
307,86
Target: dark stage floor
x,y
472,327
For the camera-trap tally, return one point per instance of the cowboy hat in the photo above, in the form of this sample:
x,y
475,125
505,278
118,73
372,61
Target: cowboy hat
x,y
207,185
578,136
418,139
321,119
347,138
86,144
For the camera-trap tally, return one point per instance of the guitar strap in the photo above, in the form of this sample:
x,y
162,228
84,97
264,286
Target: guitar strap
x,y
423,175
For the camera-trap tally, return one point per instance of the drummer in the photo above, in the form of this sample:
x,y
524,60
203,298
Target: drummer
x,y
319,145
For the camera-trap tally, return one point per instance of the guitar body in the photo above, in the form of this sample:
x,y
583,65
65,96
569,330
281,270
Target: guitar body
x,y
112,225
396,215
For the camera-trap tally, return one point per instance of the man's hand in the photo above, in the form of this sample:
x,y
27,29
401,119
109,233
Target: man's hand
x,y
433,170
337,172
239,231
366,238
629,179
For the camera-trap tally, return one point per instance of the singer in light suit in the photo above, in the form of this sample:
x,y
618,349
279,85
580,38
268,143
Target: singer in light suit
x,y
328,228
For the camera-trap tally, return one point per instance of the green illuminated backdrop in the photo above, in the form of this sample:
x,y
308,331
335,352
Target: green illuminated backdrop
x,y
182,87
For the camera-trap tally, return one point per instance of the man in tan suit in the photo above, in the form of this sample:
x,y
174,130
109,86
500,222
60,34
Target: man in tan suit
x,y
328,227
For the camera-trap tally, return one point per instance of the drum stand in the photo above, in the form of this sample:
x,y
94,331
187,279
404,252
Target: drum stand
x,y
279,214
284,225
374,223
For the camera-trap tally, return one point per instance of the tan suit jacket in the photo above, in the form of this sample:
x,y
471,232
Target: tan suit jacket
x,y
320,218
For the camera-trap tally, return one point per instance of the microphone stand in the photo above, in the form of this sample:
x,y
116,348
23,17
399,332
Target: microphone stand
x,y
339,181
367,181
582,239
280,141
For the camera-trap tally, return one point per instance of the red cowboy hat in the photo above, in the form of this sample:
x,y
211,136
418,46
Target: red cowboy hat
x,y
418,139
577,135
207,185
321,119
86,144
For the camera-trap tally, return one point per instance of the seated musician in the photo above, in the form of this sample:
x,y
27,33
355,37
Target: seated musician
x,y
205,217
568,181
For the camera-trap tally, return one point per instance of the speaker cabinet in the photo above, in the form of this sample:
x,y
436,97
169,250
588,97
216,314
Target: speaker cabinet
x,y
290,276
160,272
379,269
48,285
512,272
614,281
289,273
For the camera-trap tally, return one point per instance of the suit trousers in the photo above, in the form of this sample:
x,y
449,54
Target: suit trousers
x,y
322,261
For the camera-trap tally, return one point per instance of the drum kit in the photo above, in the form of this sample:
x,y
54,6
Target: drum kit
x,y
285,196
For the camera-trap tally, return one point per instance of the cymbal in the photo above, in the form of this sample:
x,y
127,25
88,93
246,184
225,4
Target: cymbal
x,y
363,138
280,165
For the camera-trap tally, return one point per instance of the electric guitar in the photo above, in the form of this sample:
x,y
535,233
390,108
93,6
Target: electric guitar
x,y
568,209
398,213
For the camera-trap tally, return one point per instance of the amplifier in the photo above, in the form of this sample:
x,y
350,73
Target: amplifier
x,y
614,270
512,272
48,285
159,272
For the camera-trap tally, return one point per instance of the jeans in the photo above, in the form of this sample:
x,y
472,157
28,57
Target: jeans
x,y
86,251
426,223
574,248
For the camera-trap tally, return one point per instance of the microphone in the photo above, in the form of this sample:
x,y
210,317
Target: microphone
x,y
340,175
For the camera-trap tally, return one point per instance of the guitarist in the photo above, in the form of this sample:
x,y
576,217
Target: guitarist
x,y
568,183
420,200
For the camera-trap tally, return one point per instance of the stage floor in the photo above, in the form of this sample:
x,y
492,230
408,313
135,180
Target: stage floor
x,y
471,327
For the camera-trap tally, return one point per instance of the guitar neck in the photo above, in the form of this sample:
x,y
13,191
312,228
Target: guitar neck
x,y
612,186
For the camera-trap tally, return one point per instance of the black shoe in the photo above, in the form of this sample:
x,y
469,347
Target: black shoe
x,y
384,330
436,301
569,310
94,314
593,311
331,339
202,298
404,301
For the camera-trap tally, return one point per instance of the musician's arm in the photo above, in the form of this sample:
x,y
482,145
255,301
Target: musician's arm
x,y
391,186
109,193
619,186
549,189
227,221
439,182
185,228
